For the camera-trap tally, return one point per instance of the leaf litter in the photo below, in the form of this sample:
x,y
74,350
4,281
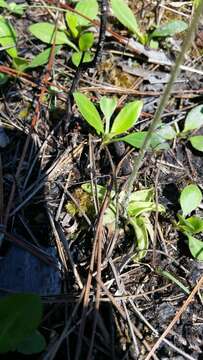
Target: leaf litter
x,y
54,220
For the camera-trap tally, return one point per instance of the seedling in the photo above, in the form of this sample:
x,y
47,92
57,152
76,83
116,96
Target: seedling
x,y
126,17
190,199
141,204
12,7
194,121
125,120
76,35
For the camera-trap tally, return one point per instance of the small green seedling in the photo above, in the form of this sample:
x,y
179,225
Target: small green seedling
x,y
125,120
190,200
12,7
193,121
141,204
126,17
77,34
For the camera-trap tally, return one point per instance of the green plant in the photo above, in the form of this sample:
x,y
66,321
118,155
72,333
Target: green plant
x,y
76,35
125,120
20,316
193,121
126,17
156,122
141,204
190,199
12,7
8,37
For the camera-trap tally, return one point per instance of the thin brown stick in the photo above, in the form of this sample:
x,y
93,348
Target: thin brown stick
x,y
176,318
122,313
89,279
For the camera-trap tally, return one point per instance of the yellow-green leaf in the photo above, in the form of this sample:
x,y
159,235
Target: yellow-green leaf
x,y
196,247
45,31
89,112
126,118
8,37
88,8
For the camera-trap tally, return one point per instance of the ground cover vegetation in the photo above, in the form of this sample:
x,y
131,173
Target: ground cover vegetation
x,y
101,138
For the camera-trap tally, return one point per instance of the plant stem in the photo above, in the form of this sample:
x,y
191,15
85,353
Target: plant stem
x,y
163,102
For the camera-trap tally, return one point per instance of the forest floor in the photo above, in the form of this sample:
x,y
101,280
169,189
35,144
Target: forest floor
x,y
102,298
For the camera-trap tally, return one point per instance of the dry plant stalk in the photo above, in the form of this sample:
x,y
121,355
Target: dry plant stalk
x,y
163,102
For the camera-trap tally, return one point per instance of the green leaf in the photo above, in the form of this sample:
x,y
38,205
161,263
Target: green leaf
x,y
194,119
3,78
20,63
142,195
125,15
136,208
196,247
88,8
89,112
43,57
86,41
16,8
191,225
101,190
197,142
3,4
33,344
107,106
166,132
109,216
76,57
197,224
126,118
8,37
136,139
142,241
190,198
184,225
169,276
72,22
44,31
20,315
170,29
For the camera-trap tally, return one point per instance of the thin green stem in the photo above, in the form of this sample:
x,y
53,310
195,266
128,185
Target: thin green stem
x,y
163,102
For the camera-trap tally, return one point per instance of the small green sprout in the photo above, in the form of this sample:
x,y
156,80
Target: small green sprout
x,y
124,121
126,17
141,204
190,200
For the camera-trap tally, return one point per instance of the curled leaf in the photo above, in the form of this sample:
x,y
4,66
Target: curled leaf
x,y
141,240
